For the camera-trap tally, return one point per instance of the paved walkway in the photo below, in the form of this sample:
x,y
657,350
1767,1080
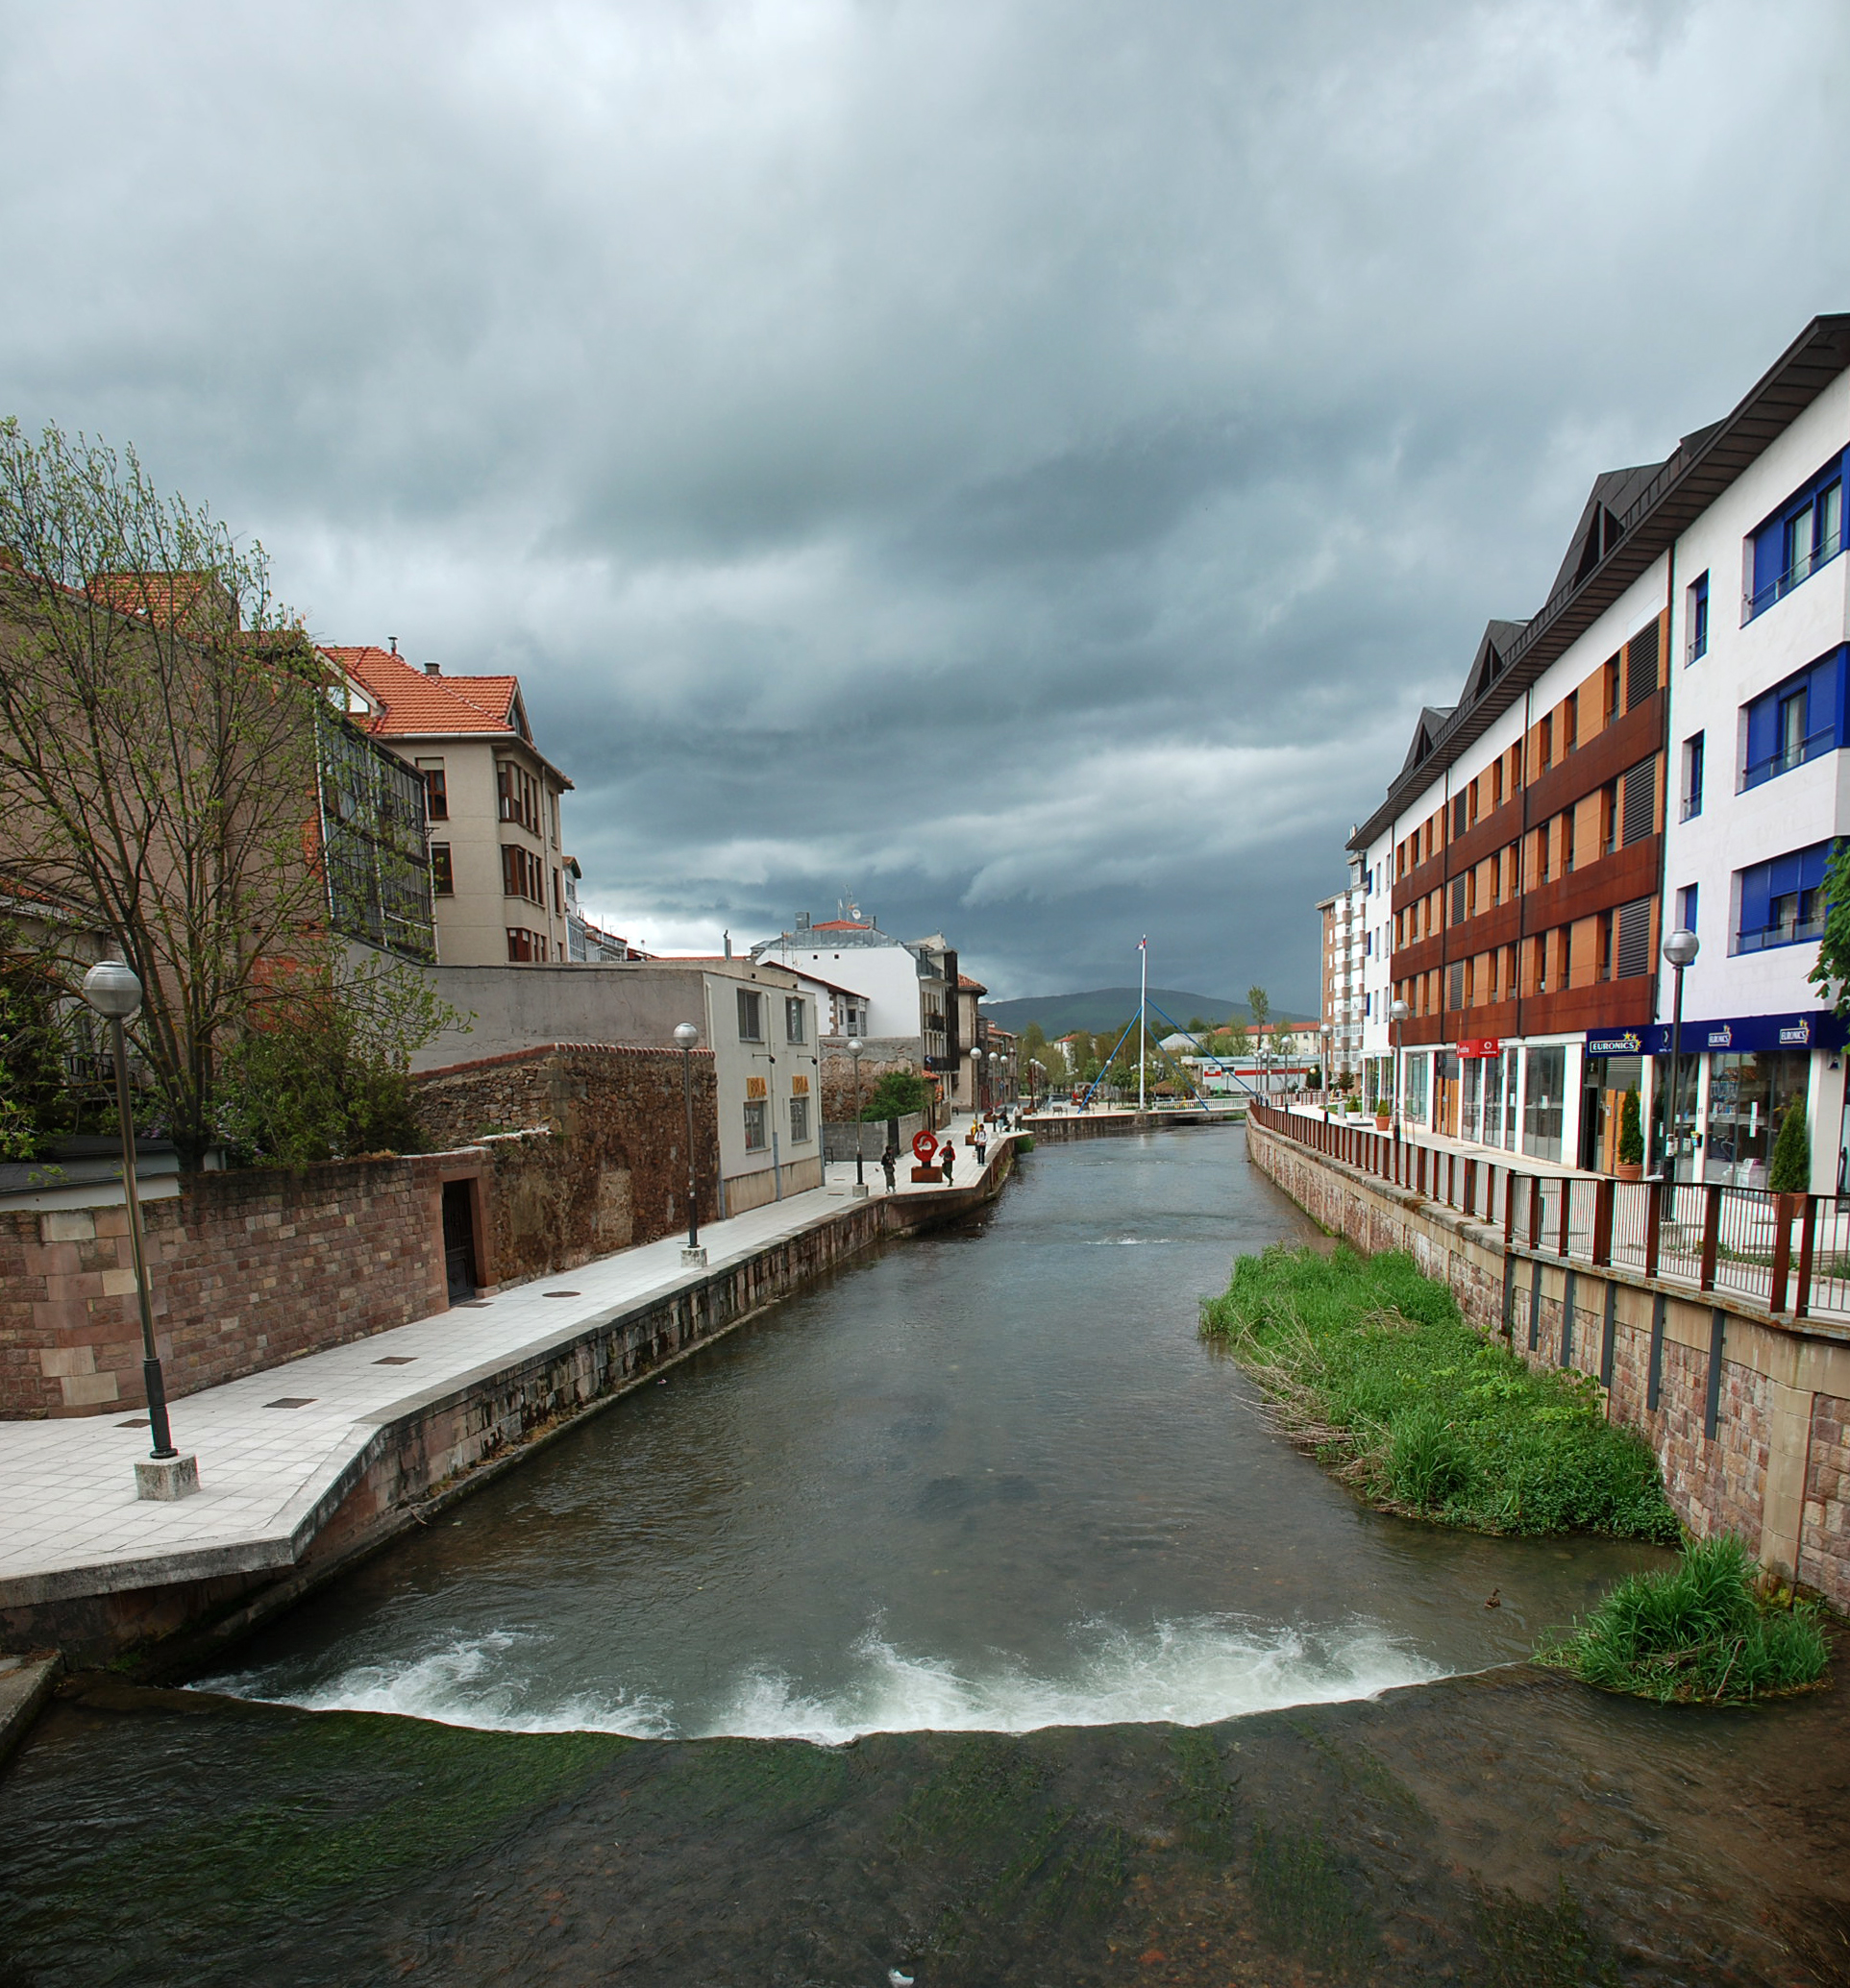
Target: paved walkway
x,y
271,1445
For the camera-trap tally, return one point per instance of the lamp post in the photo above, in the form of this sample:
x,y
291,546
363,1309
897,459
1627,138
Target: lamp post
x,y
687,1035
854,1050
1680,948
975,1082
995,1076
1399,1014
112,992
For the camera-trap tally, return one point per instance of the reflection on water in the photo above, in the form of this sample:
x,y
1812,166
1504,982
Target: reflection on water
x,y
988,1480
987,1503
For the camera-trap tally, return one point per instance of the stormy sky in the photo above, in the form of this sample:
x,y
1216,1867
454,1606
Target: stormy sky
x,y
1021,465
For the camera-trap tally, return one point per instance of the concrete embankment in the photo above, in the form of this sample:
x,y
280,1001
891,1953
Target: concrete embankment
x,y
1058,1127
1748,1414
170,1600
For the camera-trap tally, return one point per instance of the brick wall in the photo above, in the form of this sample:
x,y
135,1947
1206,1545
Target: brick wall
x,y
584,1154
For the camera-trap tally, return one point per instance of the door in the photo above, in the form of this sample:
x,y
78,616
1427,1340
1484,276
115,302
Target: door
x,y
459,1241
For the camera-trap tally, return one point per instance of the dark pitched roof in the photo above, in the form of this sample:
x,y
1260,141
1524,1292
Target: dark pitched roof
x,y
1637,513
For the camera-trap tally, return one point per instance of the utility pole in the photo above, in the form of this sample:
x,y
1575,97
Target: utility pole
x,y
1143,1014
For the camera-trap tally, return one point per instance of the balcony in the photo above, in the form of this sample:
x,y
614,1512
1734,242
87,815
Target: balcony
x,y
1795,752
1801,570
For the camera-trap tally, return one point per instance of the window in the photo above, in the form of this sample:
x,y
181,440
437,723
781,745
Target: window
x,y
1566,956
1496,783
1687,907
436,791
558,895
1695,614
1457,900
1634,938
793,1018
758,1125
1567,842
1541,957
1458,816
798,1121
1781,902
442,877
1571,724
1606,945
524,948
750,1016
1455,992
1542,1101
1693,777
1805,533
521,875
1641,665
1542,854
1640,802
1611,688
518,794
1547,749
1795,721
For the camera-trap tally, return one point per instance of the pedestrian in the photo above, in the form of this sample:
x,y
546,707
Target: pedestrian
x,y
982,1142
948,1158
888,1159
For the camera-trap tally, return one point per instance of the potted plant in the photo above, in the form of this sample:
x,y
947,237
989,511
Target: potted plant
x,y
1383,1113
1631,1138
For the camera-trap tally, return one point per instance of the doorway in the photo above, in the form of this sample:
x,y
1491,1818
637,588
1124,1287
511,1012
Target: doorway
x,y
459,1241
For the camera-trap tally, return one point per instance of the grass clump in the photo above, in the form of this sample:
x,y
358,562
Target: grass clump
x,y
1370,1364
1695,1633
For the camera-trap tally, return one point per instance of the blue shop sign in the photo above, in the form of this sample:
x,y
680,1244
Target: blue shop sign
x,y
1740,1035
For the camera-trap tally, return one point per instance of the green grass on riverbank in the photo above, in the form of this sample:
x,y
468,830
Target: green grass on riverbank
x,y
1695,1633
1369,1366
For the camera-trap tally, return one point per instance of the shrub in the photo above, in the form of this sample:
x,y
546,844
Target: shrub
x,y
1790,1172
1370,1364
897,1095
1631,1131
1693,1633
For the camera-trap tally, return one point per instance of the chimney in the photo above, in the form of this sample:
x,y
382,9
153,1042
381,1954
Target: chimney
x,y
729,945
802,921
393,640
433,669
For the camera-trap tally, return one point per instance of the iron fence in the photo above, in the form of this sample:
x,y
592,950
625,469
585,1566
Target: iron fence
x,y
1790,1252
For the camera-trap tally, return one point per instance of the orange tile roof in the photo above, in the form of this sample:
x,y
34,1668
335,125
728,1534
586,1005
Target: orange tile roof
x,y
973,986
842,924
415,705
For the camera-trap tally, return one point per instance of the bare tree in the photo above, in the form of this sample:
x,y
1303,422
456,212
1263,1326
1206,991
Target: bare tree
x,y
158,755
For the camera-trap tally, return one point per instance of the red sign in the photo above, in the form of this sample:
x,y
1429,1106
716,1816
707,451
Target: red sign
x,y
1485,1046
923,1145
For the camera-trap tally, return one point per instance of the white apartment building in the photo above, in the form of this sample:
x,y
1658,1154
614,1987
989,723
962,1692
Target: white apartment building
x,y
1344,928
1653,747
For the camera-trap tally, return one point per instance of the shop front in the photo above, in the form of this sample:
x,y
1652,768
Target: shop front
x,y
1613,1063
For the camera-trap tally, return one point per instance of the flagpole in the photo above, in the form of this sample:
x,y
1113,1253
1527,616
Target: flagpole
x,y
1142,1015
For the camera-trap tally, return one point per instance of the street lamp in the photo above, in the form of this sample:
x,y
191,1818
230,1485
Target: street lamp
x,y
112,992
1397,1014
687,1035
1680,948
854,1050
975,1082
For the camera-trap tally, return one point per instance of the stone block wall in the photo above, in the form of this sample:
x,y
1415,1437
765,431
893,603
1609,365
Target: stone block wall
x,y
573,1152
613,1171
1775,1469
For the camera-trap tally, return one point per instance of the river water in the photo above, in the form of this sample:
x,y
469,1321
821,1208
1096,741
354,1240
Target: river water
x,y
962,1615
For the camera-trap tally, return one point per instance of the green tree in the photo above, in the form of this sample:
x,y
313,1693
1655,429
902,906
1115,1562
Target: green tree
x,y
39,1033
1790,1170
897,1095
1259,1006
156,749
1831,973
1631,1131
322,1068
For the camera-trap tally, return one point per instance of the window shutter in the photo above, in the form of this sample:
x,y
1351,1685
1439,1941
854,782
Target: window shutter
x,y
1634,938
1640,802
1640,667
1457,900
1458,816
1455,990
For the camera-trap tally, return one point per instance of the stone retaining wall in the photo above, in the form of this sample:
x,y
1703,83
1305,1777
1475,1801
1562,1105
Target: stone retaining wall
x,y
1772,1461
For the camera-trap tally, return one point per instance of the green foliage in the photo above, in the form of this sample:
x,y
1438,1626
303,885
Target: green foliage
x,y
898,1093
1259,1006
1693,1633
36,1101
1631,1131
322,1072
1790,1172
1371,1365
1831,975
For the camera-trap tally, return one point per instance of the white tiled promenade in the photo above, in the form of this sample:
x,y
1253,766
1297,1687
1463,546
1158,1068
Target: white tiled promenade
x,y
274,1447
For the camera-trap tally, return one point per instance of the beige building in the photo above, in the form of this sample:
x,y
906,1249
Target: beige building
x,y
1345,941
496,861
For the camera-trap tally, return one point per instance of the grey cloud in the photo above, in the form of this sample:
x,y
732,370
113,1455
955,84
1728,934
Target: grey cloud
x,y
1025,462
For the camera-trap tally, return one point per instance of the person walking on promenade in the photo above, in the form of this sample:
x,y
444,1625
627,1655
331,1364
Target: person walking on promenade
x,y
888,1159
948,1158
982,1142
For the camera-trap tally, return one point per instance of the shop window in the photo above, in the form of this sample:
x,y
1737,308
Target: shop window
x,y
1747,1094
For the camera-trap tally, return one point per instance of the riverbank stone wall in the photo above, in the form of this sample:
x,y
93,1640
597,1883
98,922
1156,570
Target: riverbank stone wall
x,y
1769,1461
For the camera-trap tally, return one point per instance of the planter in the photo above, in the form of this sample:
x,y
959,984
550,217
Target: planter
x,y
1382,1120
1628,1170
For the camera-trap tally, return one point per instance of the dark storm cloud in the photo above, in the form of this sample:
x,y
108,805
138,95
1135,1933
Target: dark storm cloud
x,y
1024,464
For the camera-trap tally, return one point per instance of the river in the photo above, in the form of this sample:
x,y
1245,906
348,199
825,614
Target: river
x,y
961,1615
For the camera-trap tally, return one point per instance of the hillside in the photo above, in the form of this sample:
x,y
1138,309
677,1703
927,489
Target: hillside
x,y
1105,1006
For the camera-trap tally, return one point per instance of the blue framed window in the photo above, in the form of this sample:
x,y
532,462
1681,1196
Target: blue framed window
x,y
1688,900
1781,902
1692,762
1698,616
1805,533
1796,720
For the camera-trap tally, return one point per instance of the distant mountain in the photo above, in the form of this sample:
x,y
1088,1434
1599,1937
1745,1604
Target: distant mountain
x,y
1104,1006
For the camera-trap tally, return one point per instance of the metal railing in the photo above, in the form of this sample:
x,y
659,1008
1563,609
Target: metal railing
x,y
1790,1252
